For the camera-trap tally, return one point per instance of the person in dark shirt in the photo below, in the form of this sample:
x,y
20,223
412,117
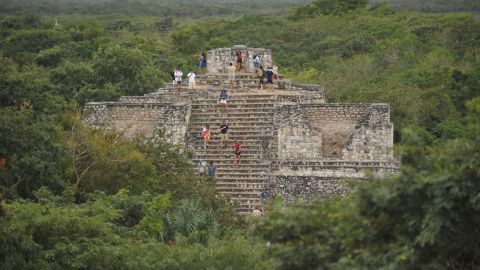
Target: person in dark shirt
x,y
264,195
223,134
212,169
261,75
269,74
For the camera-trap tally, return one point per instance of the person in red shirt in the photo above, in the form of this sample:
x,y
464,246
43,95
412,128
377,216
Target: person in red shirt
x,y
238,150
239,60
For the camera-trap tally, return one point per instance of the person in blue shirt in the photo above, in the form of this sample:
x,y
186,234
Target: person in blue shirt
x,y
223,101
212,169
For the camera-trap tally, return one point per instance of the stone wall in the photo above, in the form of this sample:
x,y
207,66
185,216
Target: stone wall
x,y
219,59
140,119
307,188
309,180
335,131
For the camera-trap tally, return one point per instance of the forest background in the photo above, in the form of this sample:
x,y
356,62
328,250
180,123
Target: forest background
x,y
75,198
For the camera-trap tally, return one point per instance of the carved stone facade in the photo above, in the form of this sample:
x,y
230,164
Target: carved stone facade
x,y
294,142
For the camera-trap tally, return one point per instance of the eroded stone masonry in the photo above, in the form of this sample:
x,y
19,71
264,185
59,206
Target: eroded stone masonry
x,y
293,141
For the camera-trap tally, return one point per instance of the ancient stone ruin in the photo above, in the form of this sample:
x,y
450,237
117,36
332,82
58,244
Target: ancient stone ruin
x,y
294,142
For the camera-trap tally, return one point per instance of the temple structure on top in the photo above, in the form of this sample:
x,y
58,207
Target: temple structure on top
x,y
219,59
293,141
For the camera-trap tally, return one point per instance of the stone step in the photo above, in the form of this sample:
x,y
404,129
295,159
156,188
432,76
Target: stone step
x,y
215,137
228,171
232,171
248,125
229,118
238,176
245,184
239,99
243,194
238,188
236,132
234,108
244,179
227,155
216,141
220,120
232,114
231,162
229,110
215,148
234,105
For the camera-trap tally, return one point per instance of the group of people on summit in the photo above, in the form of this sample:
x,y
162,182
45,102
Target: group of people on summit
x,y
265,75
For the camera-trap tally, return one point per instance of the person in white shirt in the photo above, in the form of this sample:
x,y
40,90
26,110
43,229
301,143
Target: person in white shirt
x,y
178,78
202,166
191,80
275,71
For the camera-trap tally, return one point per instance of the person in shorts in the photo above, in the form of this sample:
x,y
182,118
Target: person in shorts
x,y
231,75
191,80
238,150
223,101
206,136
178,78
223,134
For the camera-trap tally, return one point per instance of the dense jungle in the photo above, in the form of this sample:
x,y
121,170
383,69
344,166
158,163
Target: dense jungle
x,y
76,198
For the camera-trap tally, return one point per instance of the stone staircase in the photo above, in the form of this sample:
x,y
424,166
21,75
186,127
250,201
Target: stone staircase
x,y
249,117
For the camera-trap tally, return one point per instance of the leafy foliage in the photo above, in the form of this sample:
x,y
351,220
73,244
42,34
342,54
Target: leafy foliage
x,y
75,198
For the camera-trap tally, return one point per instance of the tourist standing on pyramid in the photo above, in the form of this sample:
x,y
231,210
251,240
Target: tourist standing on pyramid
x,y
178,78
231,76
239,60
256,62
223,101
202,63
261,75
269,74
275,71
238,150
191,80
